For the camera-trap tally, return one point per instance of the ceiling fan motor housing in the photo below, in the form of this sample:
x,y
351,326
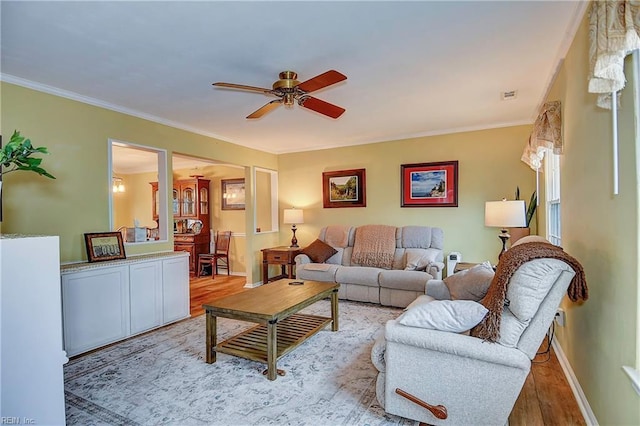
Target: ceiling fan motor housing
x,y
287,86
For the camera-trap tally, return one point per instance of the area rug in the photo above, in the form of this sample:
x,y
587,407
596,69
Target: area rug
x,y
161,378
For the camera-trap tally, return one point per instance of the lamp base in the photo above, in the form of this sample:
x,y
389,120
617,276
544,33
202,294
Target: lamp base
x,y
504,236
294,240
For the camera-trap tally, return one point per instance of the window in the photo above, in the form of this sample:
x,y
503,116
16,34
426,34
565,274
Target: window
x,y
552,184
133,197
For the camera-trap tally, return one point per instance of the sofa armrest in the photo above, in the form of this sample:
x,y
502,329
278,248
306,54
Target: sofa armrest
x,y
455,344
302,259
435,269
438,290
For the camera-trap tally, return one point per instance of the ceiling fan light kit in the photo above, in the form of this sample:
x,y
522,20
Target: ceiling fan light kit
x,y
290,90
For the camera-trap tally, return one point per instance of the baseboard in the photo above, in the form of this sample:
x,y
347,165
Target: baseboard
x,y
253,285
581,398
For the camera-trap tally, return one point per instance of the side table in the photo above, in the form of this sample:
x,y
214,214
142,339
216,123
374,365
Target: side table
x,y
283,256
463,266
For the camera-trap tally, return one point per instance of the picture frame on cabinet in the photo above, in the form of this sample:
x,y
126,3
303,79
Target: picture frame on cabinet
x,y
233,194
103,246
429,184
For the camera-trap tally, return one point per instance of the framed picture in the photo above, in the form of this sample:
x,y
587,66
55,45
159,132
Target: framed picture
x,y
429,184
345,188
104,246
232,194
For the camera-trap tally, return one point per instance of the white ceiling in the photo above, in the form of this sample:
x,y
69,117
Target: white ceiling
x,y
414,68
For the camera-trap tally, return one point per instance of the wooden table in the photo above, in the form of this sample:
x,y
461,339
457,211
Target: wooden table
x,y
284,256
281,328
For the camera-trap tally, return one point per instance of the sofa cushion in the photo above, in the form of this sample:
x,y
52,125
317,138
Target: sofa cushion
x,y
530,284
337,235
319,251
416,237
404,280
453,316
363,275
470,284
419,259
528,287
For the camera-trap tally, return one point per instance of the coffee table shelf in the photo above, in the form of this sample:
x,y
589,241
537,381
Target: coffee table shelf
x,y
292,331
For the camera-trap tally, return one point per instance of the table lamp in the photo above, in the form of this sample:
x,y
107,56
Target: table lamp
x,y
293,216
504,214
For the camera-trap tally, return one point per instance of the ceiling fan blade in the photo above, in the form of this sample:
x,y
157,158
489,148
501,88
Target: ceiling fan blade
x,y
243,87
323,80
321,106
265,109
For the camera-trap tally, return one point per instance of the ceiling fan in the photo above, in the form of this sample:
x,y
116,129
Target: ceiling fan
x,y
290,90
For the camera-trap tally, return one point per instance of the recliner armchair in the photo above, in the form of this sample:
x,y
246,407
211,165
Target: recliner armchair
x,y
445,378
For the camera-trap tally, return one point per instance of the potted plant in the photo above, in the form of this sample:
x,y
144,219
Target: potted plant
x,y
17,155
517,233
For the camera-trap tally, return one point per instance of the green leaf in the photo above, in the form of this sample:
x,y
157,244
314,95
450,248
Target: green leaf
x,y
17,155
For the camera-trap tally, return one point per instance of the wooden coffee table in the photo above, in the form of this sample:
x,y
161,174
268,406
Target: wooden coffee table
x,y
281,328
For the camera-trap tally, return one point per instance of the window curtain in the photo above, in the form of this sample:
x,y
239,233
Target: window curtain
x,y
547,133
614,26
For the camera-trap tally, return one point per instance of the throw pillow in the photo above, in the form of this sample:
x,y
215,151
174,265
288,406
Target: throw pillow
x,y
319,251
454,316
419,259
470,284
419,301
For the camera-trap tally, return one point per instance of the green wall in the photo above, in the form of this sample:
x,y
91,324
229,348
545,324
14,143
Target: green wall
x,y
77,201
601,230
489,169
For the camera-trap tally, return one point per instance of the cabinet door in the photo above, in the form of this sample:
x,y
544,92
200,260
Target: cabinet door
x,y
95,308
175,289
145,291
204,200
188,194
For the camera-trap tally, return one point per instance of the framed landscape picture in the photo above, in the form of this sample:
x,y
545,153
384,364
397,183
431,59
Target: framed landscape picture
x,y
104,246
345,188
429,184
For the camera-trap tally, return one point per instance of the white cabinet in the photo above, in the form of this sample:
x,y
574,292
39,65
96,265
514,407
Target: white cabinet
x,y
109,301
31,355
95,305
174,293
145,293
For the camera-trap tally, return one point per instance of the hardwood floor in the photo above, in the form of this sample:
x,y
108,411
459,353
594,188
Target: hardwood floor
x,y
205,289
546,398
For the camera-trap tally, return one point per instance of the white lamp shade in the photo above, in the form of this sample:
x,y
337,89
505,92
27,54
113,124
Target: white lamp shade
x,y
293,216
505,214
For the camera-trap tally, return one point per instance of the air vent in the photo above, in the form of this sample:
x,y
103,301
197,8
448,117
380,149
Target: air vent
x,y
507,96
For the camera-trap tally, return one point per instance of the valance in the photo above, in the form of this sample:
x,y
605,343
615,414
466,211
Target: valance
x,y
613,33
547,133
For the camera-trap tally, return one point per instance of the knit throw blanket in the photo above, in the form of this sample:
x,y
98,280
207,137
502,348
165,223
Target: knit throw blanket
x,y
511,260
375,246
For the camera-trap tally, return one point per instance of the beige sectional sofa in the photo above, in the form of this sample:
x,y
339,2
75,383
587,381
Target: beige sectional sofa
x,y
418,258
